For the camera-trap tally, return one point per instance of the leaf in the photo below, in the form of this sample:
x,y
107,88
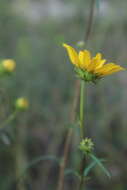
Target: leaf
x,y
71,171
101,165
90,166
37,160
43,158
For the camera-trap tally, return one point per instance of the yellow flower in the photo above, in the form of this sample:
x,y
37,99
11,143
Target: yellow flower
x,y
22,103
8,65
90,68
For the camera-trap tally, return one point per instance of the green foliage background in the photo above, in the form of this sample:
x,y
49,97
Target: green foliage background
x,y
46,77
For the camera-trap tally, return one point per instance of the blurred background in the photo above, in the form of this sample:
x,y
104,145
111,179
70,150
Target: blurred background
x,y
31,32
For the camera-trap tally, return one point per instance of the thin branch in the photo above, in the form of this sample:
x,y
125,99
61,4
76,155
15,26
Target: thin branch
x,y
90,21
68,138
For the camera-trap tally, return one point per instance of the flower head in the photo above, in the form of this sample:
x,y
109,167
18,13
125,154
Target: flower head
x,y
86,145
22,104
90,68
8,65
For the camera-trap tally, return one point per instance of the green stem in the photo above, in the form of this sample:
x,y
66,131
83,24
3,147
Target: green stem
x,y
82,87
87,36
81,114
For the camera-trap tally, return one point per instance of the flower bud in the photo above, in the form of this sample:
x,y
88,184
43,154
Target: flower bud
x,y
80,44
86,145
7,66
22,104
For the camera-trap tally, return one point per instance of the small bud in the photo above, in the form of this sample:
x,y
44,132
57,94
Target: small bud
x,y
81,44
8,65
22,104
86,145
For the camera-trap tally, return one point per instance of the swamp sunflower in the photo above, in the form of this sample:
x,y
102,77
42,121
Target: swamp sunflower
x,y
89,68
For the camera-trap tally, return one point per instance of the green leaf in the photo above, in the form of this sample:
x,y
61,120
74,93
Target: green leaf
x,y
100,165
90,166
71,172
37,160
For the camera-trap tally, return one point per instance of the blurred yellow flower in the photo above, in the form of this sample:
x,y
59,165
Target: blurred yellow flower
x,y
22,103
8,65
90,68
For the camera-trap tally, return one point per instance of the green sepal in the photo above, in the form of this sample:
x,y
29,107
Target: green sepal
x,y
86,76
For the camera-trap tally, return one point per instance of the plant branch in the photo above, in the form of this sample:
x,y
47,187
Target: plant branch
x,y
90,21
68,138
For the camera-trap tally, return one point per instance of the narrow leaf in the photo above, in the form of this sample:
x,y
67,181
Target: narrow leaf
x,y
87,170
91,166
101,165
37,160
71,172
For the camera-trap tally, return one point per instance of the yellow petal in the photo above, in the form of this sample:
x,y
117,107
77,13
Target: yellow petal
x,y
106,67
85,58
109,69
98,56
72,54
113,71
96,62
100,64
92,65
